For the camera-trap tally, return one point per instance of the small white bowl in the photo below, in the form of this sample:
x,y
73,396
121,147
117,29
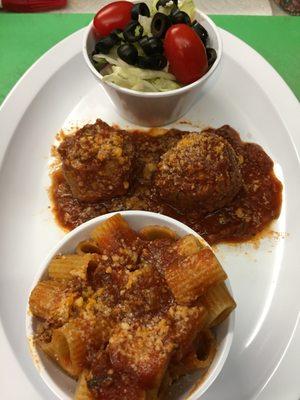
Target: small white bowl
x,y
64,386
159,108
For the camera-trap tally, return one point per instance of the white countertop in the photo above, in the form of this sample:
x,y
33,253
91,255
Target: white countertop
x,y
234,7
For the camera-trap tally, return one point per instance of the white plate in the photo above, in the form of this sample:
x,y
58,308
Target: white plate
x,y
58,91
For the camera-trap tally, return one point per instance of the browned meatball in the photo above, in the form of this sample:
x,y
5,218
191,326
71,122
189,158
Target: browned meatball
x,y
97,161
200,171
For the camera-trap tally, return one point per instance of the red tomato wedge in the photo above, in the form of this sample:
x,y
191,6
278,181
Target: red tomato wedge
x,y
112,16
186,53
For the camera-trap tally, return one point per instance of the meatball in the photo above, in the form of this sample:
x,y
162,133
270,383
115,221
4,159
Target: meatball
x,y
201,171
97,162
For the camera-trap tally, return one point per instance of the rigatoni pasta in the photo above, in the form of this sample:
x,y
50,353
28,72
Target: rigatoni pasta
x,y
69,345
199,357
219,304
127,313
70,266
52,301
82,392
153,232
87,247
187,246
110,234
191,277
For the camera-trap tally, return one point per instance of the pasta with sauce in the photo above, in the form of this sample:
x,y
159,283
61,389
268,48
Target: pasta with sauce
x,y
131,312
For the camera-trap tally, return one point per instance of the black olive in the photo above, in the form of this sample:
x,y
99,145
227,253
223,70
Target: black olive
x,y
151,45
128,53
174,11
143,41
118,33
140,9
156,62
106,43
211,56
143,62
133,31
180,17
159,25
201,31
163,3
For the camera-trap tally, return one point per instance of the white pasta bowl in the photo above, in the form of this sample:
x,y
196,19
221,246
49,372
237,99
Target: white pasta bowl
x,y
192,386
159,108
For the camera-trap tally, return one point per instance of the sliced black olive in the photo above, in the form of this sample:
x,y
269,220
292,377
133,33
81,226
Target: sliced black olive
x,y
143,41
143,62
159,25
163,3
211,56
156,62
140,9
174,11
128,53
201,31
106,43
151,45
118,34
133,31
180,17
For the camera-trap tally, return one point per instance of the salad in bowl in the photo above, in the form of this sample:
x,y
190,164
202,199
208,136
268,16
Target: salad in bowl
x,y
157,46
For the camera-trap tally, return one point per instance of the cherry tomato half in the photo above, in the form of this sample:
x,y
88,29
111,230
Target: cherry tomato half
x,y
113,16
186,53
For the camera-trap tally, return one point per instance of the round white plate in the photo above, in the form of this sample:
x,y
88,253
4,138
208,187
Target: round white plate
x,y
57,92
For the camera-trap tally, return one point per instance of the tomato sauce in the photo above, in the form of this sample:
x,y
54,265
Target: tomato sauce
x,y
253,208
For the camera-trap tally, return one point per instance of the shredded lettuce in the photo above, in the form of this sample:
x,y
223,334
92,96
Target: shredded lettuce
x,y
146,73
100,64
146,24
120,79
101,58
125,75
187,6
164,10
144,86
164,85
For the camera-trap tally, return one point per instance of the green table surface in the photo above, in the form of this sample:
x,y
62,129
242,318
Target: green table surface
x,y
25,37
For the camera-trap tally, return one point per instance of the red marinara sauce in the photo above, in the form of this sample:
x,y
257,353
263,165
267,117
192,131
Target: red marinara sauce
x,y
252,209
